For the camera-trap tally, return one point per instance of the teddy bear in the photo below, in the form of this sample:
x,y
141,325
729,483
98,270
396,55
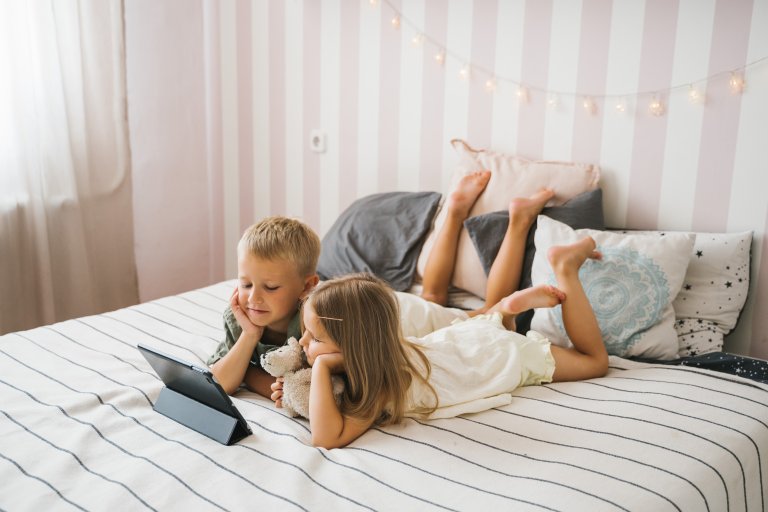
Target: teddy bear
x,y
289,362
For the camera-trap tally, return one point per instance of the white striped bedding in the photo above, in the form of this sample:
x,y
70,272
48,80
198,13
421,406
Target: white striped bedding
x,y
78,432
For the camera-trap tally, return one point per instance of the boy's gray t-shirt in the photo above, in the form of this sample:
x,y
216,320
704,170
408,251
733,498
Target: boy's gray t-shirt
x,y
232,332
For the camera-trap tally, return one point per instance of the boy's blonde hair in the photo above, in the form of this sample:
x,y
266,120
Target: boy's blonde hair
x,y
363,318
281,238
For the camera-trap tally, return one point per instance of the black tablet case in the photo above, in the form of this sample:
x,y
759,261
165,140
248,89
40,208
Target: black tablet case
x,y
192,397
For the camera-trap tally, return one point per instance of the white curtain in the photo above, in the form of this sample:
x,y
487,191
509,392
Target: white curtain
x,y
66,225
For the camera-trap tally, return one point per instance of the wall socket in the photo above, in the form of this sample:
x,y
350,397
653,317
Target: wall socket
x,y
317,141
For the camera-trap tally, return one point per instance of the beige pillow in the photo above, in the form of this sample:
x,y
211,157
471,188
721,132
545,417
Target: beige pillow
x,y
511,176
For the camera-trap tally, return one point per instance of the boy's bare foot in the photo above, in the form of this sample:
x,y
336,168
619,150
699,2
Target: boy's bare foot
x,y
525,209
573,256
466,192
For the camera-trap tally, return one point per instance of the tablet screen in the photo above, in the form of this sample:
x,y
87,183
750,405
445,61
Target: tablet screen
x,y
189,380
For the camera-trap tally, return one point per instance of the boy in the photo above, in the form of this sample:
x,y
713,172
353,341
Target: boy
x,y
276,261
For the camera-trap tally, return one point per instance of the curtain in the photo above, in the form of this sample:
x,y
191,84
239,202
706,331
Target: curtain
x,y
66,223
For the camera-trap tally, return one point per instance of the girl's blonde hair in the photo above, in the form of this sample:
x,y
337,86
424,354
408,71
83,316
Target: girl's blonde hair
x,y
283,238
363,318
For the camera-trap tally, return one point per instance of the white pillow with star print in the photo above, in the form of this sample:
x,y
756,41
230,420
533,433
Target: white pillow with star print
x,y
631,289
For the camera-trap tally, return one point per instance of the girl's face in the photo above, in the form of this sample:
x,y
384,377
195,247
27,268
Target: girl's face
x,y
314,340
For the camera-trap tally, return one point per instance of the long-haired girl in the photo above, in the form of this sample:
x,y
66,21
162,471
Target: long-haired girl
x,y
352,326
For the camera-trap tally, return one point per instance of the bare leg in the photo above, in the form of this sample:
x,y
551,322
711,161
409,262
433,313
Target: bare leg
x,y
504,276
541,296
588,358
442,257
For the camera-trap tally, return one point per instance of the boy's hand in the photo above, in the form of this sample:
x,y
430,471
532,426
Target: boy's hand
x,y
277,392
242,319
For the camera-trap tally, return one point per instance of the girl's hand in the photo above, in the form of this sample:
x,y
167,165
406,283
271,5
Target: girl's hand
x,y
242,319
333,361
277,392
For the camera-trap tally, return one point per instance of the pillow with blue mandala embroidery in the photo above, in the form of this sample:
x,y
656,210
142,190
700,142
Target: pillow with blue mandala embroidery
x,y
714,290
631,289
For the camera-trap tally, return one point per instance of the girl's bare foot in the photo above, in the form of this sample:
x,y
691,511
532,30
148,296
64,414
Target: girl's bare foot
x,y
573,256
525,209
466,192
541,296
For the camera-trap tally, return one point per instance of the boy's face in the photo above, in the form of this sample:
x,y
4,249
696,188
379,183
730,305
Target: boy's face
x,y
269,291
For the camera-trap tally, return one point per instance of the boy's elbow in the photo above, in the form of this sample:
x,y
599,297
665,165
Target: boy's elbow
x,y
229,389
225,385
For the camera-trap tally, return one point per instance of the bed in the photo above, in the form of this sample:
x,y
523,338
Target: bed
x,y
78,432
661,431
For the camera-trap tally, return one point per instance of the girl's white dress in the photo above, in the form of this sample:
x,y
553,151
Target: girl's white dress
x,y
476,363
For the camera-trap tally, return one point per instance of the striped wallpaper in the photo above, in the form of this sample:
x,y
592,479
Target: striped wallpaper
x,y
275,70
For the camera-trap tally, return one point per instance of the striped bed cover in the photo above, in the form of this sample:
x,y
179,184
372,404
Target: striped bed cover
x,y
78,432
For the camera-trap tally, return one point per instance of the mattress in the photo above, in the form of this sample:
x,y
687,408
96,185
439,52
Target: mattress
x,y
78,431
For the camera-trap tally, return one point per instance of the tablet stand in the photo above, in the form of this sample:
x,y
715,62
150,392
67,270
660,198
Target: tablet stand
x,y
198,416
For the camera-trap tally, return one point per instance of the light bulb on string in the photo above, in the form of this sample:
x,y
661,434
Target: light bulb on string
x,y
695,95
440,56
656,107
373,3
522,94
553,101
490,85
621,105
396,21
418,40
465,72
737,83
590,107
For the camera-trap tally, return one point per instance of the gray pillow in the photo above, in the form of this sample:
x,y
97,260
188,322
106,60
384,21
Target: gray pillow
x,y
381,234
487,232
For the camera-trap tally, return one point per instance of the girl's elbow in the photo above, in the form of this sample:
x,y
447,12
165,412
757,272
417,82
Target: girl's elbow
x,y
601,366
328,444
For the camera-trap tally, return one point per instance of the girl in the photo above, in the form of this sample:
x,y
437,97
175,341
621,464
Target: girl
x,y
352,326
505,273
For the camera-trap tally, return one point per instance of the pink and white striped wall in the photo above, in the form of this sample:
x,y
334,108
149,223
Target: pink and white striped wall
x,y
274,70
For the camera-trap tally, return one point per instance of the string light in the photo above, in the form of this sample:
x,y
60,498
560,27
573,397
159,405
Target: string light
x,y
695,96
553,101
522,94
440,56
656,107
737,83
589,105
418,40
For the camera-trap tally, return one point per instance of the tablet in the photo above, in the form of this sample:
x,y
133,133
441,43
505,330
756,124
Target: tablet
x,y
193,397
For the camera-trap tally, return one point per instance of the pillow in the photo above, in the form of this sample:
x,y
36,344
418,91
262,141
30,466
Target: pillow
x,y
381,234
487,232
714,290
631,289
511,177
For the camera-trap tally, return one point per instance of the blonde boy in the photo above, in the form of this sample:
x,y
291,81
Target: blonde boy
x,y
276,261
